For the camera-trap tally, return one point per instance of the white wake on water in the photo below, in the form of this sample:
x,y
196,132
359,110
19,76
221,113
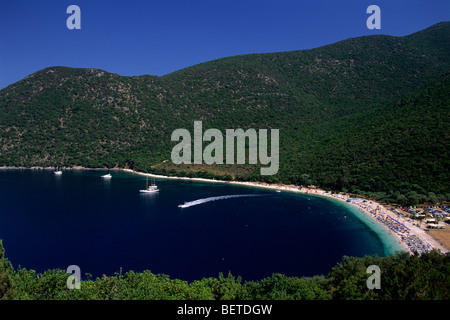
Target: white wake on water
x,y
200,201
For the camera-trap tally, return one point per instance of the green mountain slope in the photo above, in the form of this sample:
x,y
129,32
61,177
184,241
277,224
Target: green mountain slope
x,y
339,109
399,146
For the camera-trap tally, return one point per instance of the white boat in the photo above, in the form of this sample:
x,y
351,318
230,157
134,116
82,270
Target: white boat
x,y
58,171
150,189
107,176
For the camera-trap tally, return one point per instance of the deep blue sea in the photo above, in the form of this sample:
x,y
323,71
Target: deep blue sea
x,y
78,218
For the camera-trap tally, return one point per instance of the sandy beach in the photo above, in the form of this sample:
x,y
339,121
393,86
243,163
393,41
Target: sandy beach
x,y
410,237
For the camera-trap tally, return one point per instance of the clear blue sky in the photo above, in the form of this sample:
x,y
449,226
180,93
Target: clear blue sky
x,y
157,37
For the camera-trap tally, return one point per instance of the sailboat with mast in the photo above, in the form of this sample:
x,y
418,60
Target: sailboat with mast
x,y
150,188
58,171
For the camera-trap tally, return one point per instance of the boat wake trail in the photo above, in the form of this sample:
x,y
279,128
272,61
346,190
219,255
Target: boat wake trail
x,y
200,201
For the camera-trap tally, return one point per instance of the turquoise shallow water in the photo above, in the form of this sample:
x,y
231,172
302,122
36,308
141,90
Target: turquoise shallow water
x,y
390,243
101,225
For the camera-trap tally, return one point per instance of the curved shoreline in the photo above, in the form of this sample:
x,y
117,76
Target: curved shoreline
x,y
391,242
373,210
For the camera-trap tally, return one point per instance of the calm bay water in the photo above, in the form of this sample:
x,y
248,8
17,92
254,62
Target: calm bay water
x,y
49,221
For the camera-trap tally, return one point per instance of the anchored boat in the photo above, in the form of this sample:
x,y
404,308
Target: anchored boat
x,y
150,189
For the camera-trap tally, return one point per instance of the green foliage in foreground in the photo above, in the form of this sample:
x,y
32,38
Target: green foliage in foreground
x,y
402,277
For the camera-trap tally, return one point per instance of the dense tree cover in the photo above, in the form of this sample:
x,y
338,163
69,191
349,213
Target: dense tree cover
x,y
367,115
403,277
370,153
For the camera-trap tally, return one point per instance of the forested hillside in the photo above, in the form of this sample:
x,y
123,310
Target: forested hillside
x,y
368,114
